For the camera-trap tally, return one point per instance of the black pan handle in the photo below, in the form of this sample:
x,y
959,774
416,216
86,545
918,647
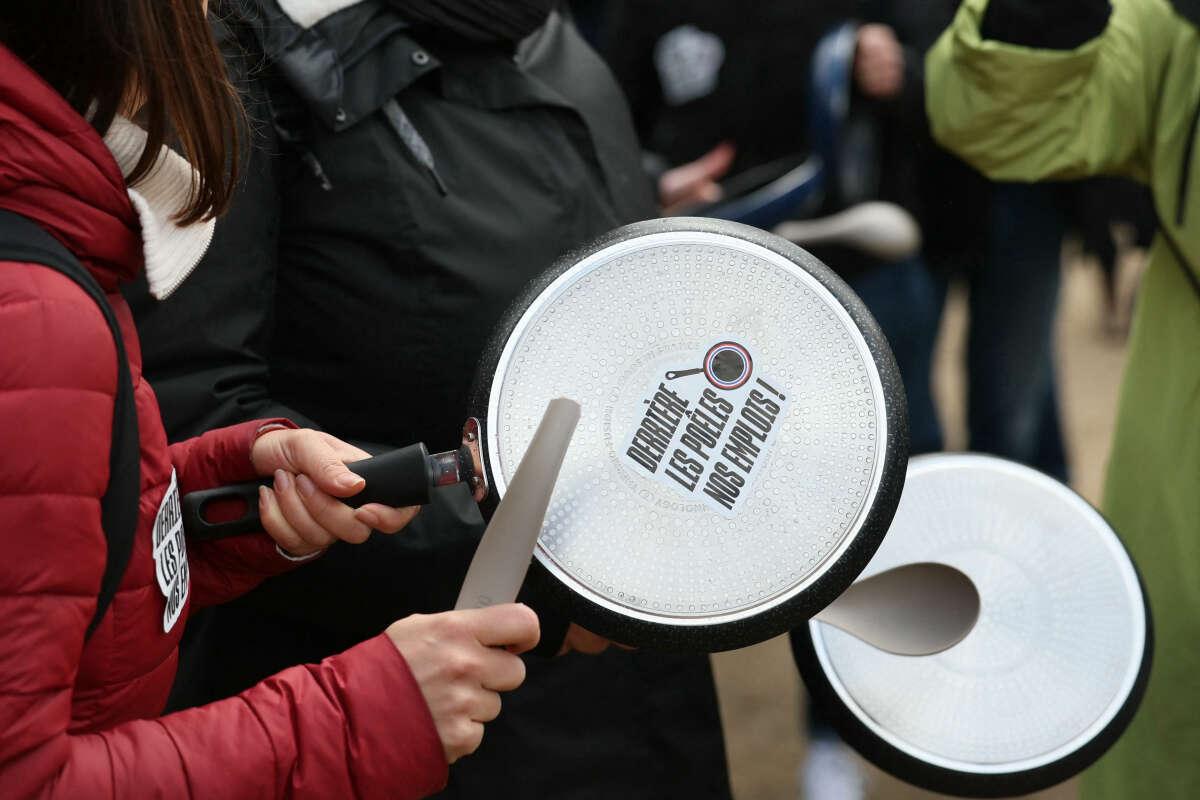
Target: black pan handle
x,y
402,477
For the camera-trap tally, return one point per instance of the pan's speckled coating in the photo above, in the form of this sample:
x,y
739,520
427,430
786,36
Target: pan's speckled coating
x,y
837,575
944,778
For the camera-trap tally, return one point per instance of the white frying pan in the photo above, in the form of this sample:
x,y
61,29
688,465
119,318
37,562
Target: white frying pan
x,y
1053,670
742,442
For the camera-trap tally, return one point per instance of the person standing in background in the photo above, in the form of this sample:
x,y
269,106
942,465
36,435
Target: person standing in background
x,y
1004,241
1059,90
416,163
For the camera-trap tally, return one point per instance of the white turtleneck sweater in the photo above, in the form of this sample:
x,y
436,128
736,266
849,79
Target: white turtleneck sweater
x,y
172,251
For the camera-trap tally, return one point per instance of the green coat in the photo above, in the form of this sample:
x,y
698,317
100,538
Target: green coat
x,y
1123,103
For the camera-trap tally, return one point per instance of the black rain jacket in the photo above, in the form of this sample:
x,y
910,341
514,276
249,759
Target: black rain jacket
x,y
401,189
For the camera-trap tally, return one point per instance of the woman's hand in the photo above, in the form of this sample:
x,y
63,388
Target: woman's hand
x,y
302,513
462,660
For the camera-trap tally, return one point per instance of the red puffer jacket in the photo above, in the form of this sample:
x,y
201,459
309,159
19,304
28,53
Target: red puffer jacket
x,y
79,720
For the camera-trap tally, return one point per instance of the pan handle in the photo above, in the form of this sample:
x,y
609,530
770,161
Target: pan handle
x,y
400,478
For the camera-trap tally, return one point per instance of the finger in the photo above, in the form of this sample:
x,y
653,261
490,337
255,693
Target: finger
x,y
344,450
274,523
386,519
679,183
695,195
487,707
709,192
296,514
716,162
501,670
587,642
710,166
315,457
468,739
510,625
333,516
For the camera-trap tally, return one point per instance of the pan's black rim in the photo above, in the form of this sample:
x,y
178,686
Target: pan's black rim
x,y
840,574
962,783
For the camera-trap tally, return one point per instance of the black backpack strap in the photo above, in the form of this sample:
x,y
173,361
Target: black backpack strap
x,y
25,241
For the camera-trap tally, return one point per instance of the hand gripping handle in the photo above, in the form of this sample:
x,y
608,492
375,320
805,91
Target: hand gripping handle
x,y
402,477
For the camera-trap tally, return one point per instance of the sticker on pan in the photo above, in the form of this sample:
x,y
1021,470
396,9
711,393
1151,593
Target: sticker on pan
x,y
706,429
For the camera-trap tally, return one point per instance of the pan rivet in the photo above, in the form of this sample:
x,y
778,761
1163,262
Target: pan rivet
x,y
470,436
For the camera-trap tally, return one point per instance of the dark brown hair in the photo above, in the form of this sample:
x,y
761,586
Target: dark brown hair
x,y
100,54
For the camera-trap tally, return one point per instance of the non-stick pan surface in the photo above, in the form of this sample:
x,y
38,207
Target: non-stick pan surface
x,y
727,503
1051,674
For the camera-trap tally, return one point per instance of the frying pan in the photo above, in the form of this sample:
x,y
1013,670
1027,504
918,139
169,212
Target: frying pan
x,y
689,515
697,509
1053,670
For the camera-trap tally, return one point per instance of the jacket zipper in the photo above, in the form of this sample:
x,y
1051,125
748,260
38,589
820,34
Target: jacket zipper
x,y
309,158
175,284
414,142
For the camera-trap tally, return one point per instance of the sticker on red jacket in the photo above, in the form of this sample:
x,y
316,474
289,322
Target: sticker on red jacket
x,y
170,555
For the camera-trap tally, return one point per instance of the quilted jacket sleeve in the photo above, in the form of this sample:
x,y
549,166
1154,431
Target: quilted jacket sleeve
x,y
353,726
223,569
